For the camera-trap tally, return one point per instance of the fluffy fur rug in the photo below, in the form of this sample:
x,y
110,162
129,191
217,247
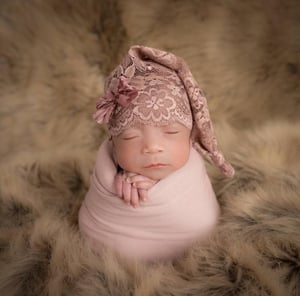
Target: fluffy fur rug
x,y
54,56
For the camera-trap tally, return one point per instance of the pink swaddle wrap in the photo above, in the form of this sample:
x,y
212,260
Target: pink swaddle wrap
x,y
181,209
154,88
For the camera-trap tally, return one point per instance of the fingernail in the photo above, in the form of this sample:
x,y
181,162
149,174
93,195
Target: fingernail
x,y
133,184
127,179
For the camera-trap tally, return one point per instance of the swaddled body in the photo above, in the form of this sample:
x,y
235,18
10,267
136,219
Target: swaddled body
x,y
159,124
180,209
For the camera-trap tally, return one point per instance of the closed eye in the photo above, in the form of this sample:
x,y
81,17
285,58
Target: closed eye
x,y
172,132
129,138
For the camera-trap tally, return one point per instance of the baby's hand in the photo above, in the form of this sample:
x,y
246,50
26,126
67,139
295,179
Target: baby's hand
x,y
140,181
133,187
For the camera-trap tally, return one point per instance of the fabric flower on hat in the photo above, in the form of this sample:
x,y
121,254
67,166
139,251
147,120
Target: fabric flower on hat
x,y
120,93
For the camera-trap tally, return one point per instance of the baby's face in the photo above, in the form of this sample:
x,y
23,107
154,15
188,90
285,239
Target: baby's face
x,y
154,152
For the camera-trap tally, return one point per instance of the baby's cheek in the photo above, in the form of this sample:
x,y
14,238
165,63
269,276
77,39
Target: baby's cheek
x,y
121,159
126,159
182,156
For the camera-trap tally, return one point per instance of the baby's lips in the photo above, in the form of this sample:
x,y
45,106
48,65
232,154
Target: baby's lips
x,y
155,165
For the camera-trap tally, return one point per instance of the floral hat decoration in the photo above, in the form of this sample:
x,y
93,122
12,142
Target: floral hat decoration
x,y
155,87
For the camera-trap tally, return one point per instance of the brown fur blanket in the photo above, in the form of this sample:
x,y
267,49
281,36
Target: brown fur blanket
x,y
54,56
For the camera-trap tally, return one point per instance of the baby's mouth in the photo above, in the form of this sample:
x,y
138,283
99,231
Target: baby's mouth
x,y
155,165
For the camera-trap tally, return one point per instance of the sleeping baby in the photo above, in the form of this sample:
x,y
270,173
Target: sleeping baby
x,y
159,128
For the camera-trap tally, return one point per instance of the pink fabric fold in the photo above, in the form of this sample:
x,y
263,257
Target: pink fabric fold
x,y
180,210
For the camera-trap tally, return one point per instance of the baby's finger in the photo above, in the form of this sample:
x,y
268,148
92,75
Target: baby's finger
x,y
128,174
126,192
139,178
134,197
143,185
143,195
119,184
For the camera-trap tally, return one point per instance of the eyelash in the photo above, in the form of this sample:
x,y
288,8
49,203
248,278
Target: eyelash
x,y
129,138
172,133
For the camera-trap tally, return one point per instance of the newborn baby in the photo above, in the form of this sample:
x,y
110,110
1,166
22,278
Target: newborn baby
x,y
159,122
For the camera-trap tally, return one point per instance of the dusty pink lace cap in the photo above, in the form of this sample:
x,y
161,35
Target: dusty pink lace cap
x,y
152,86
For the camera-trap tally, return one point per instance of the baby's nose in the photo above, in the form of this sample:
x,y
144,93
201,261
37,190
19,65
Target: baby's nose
x,y
152,148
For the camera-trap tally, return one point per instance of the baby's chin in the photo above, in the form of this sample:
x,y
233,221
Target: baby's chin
x,y
157,174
